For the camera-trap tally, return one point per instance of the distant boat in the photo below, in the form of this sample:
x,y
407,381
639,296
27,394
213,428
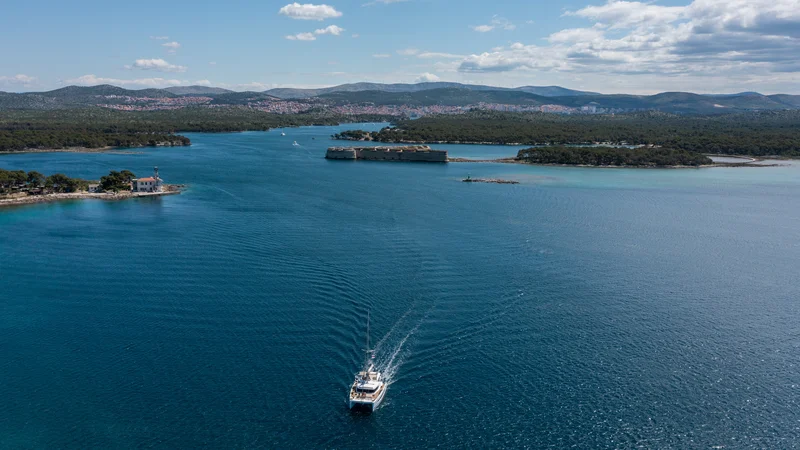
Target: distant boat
x,y
283,134
295,144
369,388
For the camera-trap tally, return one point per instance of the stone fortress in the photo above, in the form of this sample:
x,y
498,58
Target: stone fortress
x,y
420,153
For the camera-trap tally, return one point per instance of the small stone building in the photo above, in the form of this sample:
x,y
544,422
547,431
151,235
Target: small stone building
x,y
149,184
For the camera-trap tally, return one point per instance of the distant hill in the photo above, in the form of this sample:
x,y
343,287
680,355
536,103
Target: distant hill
x,y
791,101
197,90
677,102
553,91
80,92
546,91
444,96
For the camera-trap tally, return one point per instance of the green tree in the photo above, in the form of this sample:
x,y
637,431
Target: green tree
x,y
58,183
35,179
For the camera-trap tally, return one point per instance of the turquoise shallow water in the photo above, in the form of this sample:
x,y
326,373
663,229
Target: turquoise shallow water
x,y
593,308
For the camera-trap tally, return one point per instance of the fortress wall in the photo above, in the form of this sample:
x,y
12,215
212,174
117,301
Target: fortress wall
x,y
421,153
341,153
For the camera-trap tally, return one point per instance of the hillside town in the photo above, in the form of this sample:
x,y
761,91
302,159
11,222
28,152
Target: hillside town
x,y
278,106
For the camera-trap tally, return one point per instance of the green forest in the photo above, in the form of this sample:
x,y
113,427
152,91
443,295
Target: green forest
x,y
757,134
98,127
611,156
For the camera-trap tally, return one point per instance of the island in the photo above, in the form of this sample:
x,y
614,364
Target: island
x,y
612,157
755,134
18,187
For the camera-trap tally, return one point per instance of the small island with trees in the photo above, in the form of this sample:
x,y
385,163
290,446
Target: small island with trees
x,y
18,187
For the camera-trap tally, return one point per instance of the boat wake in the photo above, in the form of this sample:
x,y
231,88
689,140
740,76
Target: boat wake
x,y
391,350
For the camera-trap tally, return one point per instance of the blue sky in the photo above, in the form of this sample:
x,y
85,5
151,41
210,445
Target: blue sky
x,y
606,46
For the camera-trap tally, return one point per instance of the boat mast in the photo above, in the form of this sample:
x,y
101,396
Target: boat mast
x,y
366,361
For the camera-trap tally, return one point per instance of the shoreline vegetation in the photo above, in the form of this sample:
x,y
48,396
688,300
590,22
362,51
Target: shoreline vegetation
x,y
18,187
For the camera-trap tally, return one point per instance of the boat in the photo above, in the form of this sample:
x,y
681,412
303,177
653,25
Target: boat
x,y
283,134
295,144
369,387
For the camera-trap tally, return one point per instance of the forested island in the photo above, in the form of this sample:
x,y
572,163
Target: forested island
x,y
94,128
755,134
612,157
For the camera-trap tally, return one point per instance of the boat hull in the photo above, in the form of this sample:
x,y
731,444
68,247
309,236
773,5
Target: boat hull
x,y
368,405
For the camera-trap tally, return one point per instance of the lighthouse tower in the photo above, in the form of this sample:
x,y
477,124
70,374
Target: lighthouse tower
x,y
157,186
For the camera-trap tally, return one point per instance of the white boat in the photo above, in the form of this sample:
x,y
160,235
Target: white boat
x,y
295,144
283,134
369,387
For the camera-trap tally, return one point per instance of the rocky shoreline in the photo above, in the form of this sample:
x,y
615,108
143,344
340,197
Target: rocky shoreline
x,y
169,189
754,162
107,149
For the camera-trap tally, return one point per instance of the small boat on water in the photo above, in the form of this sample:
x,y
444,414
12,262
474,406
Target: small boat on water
x,y
369,387
295,144
283,134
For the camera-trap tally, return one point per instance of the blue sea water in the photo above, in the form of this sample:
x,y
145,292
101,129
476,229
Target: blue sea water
x,y
584,308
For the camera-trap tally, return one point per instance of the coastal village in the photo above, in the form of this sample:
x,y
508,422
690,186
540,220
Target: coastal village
x,y
18,187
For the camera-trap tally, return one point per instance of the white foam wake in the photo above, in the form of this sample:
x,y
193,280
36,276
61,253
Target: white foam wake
x,y
390,366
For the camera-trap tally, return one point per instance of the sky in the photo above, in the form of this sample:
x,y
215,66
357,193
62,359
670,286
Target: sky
x,y
607,46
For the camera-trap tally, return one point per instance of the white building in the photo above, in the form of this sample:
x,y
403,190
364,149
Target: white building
x,y
149,184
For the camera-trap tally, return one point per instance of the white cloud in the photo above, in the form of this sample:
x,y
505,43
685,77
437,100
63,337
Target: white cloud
x,y
437,55
382,55
18,79
309,11
408,52
624,14
330,29
159,38
212,63
483,28
356,36
302,37
155,64
426,78
202,83
577,35
383,2
93,80
172,47
754,39
496,23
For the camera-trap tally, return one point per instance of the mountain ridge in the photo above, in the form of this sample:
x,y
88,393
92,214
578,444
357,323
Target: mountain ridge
x,y
420,94
547,91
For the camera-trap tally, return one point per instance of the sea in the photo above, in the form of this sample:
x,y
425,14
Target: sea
x,y
582,308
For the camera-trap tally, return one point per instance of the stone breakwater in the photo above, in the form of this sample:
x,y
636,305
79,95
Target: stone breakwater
x,y
411,153
489,180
